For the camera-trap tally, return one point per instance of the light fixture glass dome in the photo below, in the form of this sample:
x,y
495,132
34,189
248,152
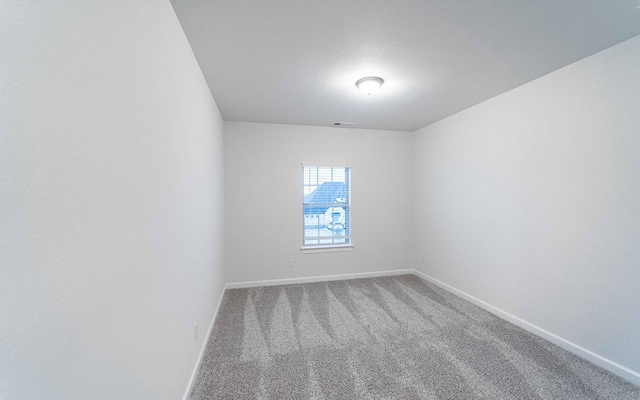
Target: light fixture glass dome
x,y
369,85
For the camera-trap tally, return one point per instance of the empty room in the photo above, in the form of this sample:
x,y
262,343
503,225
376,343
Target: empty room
x,y
205,199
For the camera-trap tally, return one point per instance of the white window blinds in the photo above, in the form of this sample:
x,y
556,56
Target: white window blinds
x,y
326,204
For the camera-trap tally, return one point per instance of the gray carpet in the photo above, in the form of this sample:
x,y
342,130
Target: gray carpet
x,y
383,338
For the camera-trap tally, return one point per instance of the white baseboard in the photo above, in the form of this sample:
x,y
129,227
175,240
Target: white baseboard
x,y
324,278
603,362
205,342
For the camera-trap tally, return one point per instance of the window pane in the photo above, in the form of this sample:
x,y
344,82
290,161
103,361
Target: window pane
x,y
326,203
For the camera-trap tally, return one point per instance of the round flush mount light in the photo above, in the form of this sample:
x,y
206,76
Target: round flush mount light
x,y
369,85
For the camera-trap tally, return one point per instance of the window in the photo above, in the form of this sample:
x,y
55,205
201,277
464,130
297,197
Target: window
x,y
326,204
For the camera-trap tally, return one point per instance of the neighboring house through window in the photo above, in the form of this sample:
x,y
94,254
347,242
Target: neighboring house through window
x,y
326,203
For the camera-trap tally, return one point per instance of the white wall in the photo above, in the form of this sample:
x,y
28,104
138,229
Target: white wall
x,y
111,237
263,196
530,202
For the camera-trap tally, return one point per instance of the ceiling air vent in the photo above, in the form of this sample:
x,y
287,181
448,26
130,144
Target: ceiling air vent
x,y
345,124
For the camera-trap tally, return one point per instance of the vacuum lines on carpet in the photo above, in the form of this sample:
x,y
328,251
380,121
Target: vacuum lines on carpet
x,y
394,337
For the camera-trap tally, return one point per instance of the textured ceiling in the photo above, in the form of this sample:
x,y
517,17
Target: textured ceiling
x,y
296,62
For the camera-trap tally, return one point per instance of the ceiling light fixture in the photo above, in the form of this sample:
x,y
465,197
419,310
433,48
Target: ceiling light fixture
x,y
369,85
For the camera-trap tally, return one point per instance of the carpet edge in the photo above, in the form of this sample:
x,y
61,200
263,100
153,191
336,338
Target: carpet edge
x,y
322,278
601,361
205,342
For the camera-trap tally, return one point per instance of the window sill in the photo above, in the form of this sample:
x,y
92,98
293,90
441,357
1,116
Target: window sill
x,y
326,249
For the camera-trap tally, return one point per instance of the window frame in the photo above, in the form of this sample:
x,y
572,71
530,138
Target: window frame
x,y
328,247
